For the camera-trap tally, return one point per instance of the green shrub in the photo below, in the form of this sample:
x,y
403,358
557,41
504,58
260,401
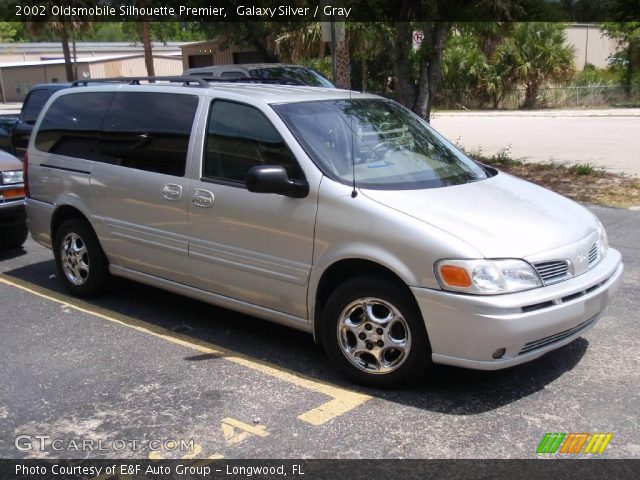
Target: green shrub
x,y
583,169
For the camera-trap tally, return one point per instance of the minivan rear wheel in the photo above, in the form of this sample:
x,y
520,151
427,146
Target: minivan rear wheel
x,y
373,331
82,265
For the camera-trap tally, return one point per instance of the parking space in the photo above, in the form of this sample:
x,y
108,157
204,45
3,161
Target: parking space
x,y
116,377
147,374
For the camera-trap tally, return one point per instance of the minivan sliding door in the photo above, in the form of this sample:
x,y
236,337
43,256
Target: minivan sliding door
x,y
140,185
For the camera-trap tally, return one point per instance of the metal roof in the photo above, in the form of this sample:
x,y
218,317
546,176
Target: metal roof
x,y
59,61
26,47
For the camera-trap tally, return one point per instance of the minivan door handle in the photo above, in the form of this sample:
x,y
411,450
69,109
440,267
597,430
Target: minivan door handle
x,y
172,192
202,198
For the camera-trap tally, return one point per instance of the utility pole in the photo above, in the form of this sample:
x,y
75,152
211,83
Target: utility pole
x,y
333,49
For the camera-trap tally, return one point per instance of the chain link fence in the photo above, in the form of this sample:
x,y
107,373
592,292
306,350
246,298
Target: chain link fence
x,y
565,96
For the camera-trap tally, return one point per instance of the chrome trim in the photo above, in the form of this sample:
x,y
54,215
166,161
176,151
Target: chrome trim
x,y
595,254
557,337
553,271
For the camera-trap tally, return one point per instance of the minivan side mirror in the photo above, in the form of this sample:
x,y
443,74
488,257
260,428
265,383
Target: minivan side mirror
x,y
274,179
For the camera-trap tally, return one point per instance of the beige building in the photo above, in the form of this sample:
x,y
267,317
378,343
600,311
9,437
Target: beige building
x,y
211,52
17,78
590,45
36,51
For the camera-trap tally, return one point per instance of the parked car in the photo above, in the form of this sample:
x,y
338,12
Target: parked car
x,y
295,74
13,228
337,213
15,133
7,124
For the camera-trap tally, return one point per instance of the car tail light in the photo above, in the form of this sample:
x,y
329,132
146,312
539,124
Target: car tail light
x,y
25,170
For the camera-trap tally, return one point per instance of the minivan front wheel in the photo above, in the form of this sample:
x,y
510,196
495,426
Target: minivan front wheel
x,y
80,261
373,331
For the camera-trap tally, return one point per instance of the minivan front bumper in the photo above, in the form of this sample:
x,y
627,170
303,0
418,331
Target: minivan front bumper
x,y
466,330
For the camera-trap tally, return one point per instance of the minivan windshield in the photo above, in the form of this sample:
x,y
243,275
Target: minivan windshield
x,y
380,143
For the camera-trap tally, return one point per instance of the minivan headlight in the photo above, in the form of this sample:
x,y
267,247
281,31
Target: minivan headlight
x,y
12,176
486,277
604,239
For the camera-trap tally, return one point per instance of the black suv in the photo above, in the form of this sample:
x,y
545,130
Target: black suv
x,y
15,132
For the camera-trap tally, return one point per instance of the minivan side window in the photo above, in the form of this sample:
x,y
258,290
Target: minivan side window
x,y
72,124
240,137
149,131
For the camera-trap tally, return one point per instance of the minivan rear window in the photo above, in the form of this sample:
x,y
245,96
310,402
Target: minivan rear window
x,y
72,124
149,131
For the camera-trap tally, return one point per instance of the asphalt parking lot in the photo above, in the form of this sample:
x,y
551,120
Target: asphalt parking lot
x,y
143,373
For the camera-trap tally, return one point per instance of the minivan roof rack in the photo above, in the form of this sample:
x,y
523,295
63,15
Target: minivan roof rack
x,y
269,80
197,81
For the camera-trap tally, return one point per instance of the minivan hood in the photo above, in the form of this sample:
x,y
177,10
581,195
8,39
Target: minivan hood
x,y
501,217
9,162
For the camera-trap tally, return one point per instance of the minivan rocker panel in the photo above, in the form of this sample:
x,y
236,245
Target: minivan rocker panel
x,y
336,213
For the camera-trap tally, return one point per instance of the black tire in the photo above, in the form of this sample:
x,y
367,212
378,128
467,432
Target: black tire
x,y
410,365
13,237
96,279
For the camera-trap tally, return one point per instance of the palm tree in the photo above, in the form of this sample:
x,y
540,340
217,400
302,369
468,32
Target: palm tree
x,y
343,62
61,30
367,39
146,40
302,40
61,27
538,53
499,78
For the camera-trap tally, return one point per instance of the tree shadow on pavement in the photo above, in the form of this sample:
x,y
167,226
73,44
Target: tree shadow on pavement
x,y
447,390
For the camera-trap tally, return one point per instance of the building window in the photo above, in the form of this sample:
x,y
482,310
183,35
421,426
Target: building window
x,y
22,86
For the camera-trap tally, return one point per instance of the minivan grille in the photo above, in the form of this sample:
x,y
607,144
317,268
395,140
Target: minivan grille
x,y
552,272
543,342
595,254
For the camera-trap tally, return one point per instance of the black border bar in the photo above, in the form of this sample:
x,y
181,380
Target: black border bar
x,y
543,469
317,10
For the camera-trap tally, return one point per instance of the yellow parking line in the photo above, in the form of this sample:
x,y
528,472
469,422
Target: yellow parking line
x,y
342,401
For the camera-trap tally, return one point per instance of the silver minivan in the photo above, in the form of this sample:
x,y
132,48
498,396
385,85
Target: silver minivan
x,y
333,212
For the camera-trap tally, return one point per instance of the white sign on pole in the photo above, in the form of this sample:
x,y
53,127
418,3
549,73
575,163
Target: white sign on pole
x,y
325,28
418,36
326,31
